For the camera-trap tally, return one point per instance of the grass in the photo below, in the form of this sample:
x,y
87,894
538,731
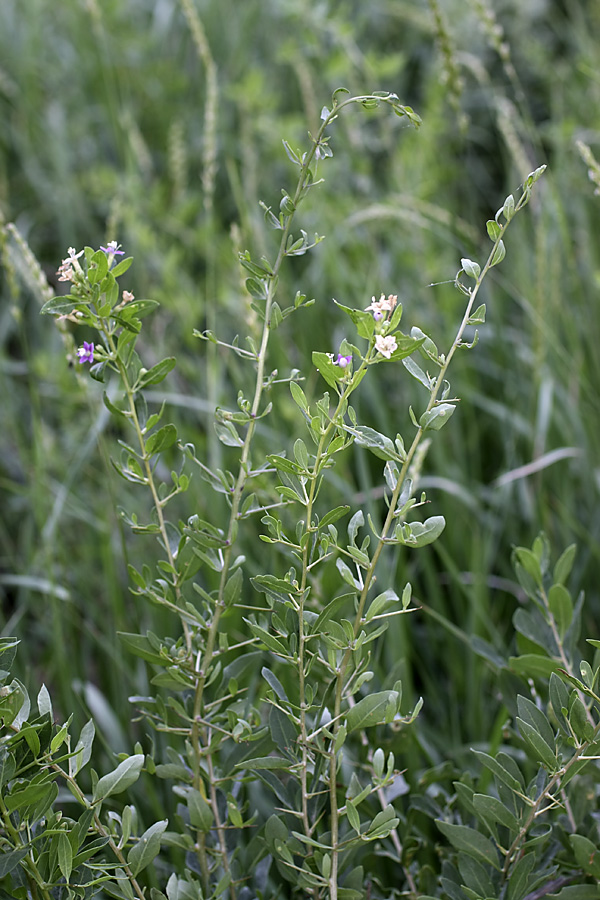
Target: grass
x,y
162,126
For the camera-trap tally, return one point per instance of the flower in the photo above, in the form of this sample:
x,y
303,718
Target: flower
x,y
386,345
127,297
86,353
69,266
342,361
112,250
382,306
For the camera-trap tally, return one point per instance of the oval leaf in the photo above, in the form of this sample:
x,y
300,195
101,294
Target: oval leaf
x,y
126,774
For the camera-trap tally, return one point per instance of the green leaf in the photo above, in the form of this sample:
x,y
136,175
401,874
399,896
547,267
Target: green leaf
x,y
499,254
530,713
508,208
419,534
141,646
325,366
380,445
490,808
267,639
274,683
543,752
65,855
353,816
265,762
559,698
111,406
519,881
126,774
478,317
579,720
233,587
587,854
471,842
257,288
417,372
122,267
561,607
44,702
60,306
299,396
283,731
157,373
9,860
333,516
500,772
578,892
18,799
530,563
329,611
364,321
533,665
475,876
563,567
532,625
147,848
374,709
470,268
201,814
381,603
161,440
83,750
383,823
493,229
437,417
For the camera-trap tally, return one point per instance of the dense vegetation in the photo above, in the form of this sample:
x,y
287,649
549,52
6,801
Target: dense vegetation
x,y
160,125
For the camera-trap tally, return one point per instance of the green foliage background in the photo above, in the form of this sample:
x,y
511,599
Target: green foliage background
x,y
160,125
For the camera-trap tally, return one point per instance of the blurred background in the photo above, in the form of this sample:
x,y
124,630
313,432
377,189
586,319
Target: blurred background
x,y
159,124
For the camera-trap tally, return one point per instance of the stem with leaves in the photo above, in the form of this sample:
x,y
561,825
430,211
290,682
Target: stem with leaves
x,y
496,232
269,277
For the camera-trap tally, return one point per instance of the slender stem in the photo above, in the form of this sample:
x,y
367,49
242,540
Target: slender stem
x,y
389,520
536,808
219,825
158,505
206,660
36,882
100,829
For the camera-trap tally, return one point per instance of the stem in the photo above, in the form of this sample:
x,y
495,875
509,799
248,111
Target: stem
x,y
320,455
219,825
389,520
36,882
206,660
158,506
536,808
100,829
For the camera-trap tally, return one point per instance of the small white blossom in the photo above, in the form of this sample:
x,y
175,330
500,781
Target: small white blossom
x,y
69,266
386,345
382,306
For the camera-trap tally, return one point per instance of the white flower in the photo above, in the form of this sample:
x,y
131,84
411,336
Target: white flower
x,y
382,306
386,345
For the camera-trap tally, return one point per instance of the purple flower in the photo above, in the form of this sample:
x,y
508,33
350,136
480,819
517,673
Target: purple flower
x,y
342,361
112,249
86,353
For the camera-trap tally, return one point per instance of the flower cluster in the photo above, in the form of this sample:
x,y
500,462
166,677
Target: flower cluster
x,y
70,268
381,307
